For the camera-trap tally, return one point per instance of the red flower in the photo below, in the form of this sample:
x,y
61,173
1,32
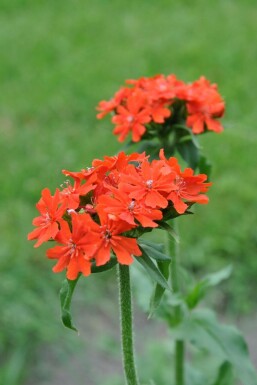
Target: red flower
x,y
110,238
132,117
77,248
71,194
186,185
151,100
156,87
158,94
119,161
148,183
110,105
159,111
120,206
51,210
204,106
178,86
112,167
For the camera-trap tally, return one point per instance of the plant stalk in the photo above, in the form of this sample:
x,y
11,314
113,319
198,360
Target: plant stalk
x,y
126,324
179,344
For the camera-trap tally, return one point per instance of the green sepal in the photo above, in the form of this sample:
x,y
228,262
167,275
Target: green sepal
x,y
108,266
200,289
137,232
152,269
66,293
170,213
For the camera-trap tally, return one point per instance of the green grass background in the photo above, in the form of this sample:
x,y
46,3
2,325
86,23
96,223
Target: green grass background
x,y
58,59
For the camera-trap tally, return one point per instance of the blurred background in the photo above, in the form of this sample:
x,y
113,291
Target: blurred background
x,y
58,59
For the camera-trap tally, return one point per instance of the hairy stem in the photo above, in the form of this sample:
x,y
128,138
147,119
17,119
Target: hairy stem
x,y
126,321
179,344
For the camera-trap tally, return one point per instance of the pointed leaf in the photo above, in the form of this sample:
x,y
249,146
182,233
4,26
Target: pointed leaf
x,y
225,375
194,376
165,226
157,246
200,289
204,166
217,277
164,267
152,270
189,152
224,341
66,293
186,134
153,252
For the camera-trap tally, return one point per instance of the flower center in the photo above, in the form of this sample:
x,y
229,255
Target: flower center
x,y
47,217
106,234
130,118
149,183
162,87
132,204
67,188
72,248
180,183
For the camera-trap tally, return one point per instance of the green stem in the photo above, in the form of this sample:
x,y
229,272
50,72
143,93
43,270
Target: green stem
x,y
179,344
126,319
179,362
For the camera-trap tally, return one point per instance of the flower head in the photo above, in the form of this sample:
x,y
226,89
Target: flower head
x,y
154,100
96,218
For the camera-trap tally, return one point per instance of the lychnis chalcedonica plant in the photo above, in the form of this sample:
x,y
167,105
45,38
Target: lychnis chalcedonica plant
x,y
103,214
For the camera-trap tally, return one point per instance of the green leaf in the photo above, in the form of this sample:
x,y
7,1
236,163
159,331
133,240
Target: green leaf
x,y
66,293
164,267
204,166
200,289
157,246
194,376
152,251
186,134
225,375
109,265
152,270
215,278
223,341
189,152
165,226
151,147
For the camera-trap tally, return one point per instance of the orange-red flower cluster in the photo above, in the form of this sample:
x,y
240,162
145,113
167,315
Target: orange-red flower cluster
x,y
91,218
151,100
